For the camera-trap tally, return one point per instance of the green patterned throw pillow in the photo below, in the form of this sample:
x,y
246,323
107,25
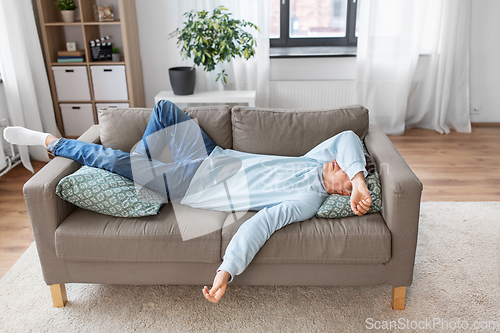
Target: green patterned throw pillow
x,y
107,193
337,206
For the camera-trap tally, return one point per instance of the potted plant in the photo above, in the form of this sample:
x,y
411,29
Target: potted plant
x,y
67,8
115,54
209,40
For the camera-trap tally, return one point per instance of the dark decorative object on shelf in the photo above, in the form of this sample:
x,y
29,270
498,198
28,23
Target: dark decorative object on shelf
x,y
100,50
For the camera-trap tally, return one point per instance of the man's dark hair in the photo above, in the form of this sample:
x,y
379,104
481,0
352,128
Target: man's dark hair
x,y
370,165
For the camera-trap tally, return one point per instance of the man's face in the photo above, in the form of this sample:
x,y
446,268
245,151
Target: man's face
x,y
339,180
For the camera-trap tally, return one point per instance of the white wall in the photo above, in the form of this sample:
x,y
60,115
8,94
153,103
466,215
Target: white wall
x,y
313,69
157,18
3,104
485,60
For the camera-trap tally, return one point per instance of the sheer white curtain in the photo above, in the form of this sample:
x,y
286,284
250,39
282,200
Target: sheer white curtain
x,y
413,63
252,74
26,85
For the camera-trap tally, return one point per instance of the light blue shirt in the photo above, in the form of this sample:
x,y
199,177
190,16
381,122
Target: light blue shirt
x,y
283,190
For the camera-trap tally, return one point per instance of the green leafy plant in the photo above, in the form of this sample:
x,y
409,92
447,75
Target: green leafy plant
x,y
210,40
66,4
115,50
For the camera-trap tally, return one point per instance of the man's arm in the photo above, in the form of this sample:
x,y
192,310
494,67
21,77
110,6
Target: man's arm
x,y
251,236
345,148
361,199
255,231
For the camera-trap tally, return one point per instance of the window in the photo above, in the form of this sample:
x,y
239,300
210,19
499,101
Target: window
x,y
313,23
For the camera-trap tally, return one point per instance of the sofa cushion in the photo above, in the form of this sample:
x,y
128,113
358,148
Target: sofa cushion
x,y
351,240
108,193
90,236
215,121
292,132
123,128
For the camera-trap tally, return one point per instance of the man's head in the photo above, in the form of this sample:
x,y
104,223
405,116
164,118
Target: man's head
x,y
337,181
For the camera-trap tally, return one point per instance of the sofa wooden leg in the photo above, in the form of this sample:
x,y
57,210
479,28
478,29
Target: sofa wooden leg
x,y
59,297
398,298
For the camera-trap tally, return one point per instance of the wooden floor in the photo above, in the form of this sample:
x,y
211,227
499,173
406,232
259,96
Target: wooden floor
x,y
16,234
454,167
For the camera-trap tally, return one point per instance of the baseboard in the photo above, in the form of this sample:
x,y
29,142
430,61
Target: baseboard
x,y
485,124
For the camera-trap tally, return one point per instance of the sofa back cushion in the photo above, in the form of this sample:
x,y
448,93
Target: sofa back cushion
x,y
123,128
293,132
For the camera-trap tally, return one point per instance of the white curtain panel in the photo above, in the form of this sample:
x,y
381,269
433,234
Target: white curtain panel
x,y
252,74
26,85
413,63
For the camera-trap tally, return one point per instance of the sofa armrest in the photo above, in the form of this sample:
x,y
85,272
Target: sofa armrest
x,y
46,210
401,193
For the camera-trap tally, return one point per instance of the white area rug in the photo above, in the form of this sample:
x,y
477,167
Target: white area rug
x,y
456,288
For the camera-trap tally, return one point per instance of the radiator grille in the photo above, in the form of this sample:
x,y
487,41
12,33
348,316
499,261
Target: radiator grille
x,y
311,94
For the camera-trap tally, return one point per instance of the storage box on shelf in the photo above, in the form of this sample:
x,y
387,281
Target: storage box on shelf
x,y
109,83
74,81
77,118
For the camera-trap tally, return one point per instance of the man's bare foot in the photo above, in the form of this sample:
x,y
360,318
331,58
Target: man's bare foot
x,y
218,288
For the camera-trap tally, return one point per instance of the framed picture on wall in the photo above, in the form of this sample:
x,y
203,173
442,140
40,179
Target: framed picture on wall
x,y
104,13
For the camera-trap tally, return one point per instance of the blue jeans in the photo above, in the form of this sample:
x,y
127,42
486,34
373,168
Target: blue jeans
x,y
168,126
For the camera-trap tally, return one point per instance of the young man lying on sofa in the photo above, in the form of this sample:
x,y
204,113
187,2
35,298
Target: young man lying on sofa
x,y
282,189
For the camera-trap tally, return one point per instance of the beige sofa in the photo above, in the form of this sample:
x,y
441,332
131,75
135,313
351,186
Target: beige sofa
x,y
80,246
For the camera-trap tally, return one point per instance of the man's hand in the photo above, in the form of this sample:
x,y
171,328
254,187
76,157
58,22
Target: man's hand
x,y
361,199
218,287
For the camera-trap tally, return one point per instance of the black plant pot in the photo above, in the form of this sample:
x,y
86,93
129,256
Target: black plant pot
x,y
182,80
